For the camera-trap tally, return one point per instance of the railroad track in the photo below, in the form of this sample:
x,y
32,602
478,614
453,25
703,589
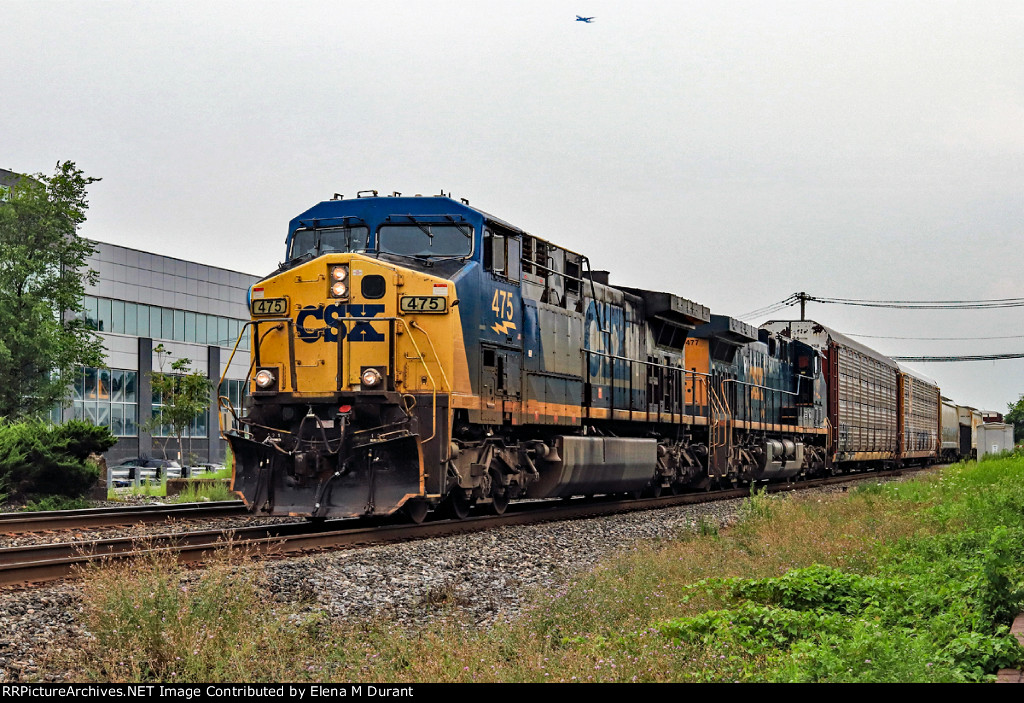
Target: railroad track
x,y
40,563
45,521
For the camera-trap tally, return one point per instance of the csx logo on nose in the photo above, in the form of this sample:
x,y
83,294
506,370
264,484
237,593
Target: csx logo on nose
x,y
334,329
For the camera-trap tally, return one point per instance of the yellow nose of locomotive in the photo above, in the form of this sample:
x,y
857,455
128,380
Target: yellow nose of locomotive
x,y
347,322
354,360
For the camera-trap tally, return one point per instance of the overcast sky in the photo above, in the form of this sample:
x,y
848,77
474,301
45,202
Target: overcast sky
x,y
729,152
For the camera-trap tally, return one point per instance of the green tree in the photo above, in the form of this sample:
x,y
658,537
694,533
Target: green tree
x,y
184,394
1016,416
43,337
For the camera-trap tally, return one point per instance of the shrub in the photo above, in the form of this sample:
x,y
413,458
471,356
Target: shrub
x,y
41,459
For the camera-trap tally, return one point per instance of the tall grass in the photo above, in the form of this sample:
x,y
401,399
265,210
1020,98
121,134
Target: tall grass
x,y
141,490
899,582
203,491
152,621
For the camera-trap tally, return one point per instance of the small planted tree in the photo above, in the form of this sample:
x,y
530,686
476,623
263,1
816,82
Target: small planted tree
x,y
184,394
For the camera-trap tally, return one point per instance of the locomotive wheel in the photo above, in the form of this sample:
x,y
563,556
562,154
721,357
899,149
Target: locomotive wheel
x,y
416,510
499,502
457,505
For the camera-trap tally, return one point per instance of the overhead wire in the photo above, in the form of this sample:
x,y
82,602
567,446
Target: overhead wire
x,y
933,339
924,304
769,309
986,304
975,357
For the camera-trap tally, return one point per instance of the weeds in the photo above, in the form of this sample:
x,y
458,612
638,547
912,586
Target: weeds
x,y
758,505
153,621
56,503
143,490
203,491
706,528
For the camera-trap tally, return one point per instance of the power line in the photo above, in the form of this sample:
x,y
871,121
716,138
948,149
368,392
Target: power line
x,y
769,309
978,357
923,304
803,298
937,339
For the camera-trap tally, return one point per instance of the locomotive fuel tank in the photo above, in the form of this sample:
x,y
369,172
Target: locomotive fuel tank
x,y
590,465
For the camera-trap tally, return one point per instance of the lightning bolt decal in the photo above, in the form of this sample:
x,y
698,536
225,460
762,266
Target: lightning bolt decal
x,y
505,328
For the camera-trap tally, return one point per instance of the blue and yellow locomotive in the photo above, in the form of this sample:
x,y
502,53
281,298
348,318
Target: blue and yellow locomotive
x,y
415,352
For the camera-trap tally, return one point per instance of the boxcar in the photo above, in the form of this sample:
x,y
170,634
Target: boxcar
x,y
920,426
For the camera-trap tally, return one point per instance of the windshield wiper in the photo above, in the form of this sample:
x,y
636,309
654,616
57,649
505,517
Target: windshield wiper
x,y
301,258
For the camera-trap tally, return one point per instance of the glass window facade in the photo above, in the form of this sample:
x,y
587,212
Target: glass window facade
x,y
107,397
105,315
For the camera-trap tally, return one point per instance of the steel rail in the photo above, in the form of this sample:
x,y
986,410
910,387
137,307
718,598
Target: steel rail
x,y
17,523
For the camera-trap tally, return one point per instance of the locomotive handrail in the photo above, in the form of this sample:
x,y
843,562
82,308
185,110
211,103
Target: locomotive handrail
x,y
255,357
578,279
646,363
679,373
419,356
221,406
761,387
437,360
721,407
291,359
757,385
593,294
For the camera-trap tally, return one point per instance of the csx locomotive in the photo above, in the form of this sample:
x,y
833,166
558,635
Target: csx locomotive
x,y
416,352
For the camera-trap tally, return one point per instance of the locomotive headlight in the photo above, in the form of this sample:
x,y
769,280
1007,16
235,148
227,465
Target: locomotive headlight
x,y
264,378
338,279
371,378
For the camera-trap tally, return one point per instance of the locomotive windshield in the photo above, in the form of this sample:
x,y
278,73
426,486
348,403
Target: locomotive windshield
x,y
425,239
327,240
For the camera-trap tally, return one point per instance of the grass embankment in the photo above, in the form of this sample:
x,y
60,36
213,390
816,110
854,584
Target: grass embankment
x,y
915,581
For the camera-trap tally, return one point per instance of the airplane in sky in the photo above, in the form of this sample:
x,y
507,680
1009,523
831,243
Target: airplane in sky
x,y
588,20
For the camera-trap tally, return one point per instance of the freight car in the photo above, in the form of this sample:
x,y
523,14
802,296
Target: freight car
x,y
960,425
414,353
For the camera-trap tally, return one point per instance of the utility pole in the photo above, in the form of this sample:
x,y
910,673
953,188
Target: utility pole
x,y
803,297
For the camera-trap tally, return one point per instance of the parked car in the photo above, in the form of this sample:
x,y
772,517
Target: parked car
x,y
145,469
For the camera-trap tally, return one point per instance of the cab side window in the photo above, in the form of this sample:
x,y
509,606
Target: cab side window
x,y
502,255
495,257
